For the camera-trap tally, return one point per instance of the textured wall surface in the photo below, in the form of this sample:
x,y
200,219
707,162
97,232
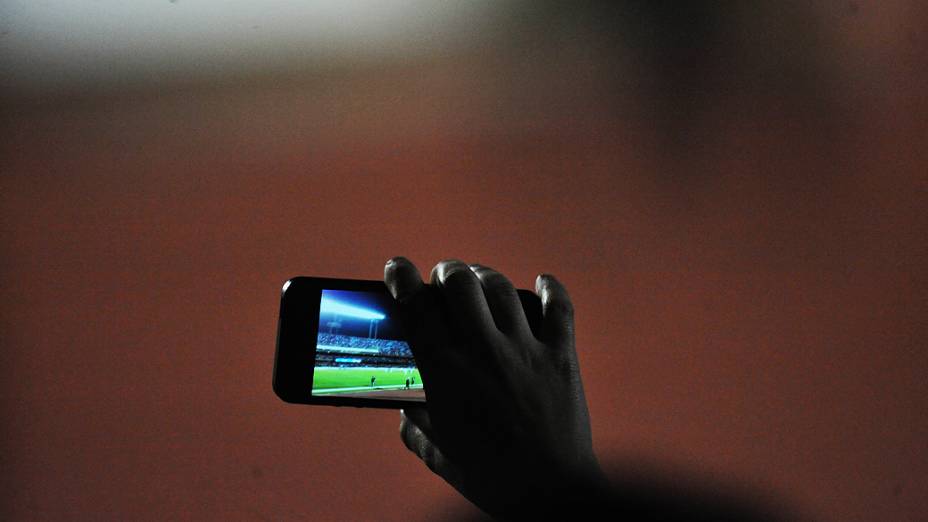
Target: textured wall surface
x,y
744,233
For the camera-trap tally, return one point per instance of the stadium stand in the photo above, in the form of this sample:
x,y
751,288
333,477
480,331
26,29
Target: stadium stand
x,y
346,351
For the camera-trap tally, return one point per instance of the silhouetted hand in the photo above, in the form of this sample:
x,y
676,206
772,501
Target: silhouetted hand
x,y
506,422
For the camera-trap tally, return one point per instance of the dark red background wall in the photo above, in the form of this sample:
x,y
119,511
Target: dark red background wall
x,y
745,245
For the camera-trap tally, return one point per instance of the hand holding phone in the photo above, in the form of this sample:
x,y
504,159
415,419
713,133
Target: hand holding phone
x,y
506,421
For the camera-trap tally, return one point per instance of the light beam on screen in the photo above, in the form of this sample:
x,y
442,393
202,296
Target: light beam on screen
x,y
331,306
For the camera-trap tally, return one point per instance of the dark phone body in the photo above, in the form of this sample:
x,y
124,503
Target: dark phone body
x,y
298,332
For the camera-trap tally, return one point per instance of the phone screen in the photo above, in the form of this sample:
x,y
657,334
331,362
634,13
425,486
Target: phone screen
x,y
360,351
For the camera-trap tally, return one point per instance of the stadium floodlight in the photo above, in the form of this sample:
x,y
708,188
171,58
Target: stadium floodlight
x,y
331,306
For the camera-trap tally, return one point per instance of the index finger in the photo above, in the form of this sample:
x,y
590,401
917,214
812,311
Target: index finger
x,y
402,278
414,307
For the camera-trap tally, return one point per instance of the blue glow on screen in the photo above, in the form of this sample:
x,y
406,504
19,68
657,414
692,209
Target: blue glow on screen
x,y
360,350
332,306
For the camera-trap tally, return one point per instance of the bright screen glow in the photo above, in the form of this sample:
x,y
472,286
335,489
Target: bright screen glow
x,y
331,306
360,350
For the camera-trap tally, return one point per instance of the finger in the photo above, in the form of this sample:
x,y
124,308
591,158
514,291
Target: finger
x,y
464,296
503,301
557,326
416,310
419,442
402,278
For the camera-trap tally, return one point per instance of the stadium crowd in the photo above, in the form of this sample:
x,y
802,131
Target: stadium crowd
x,y
335,350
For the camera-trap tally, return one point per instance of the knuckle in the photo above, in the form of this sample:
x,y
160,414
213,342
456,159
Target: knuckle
x,y
496,282
562,307
446,264
564,365
430,457
456,278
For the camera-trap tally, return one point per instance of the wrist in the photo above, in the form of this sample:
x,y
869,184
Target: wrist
x,y
559,493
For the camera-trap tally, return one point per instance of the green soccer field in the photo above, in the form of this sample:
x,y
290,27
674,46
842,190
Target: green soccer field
x,y
334,380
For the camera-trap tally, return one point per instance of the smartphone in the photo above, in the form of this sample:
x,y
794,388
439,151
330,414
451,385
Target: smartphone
x,y
339,343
